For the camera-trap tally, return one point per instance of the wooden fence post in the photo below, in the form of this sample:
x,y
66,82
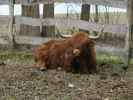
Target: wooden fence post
x,y
130,23
11,23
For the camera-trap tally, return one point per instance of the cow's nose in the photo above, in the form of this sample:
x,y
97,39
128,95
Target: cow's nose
x,y
76,52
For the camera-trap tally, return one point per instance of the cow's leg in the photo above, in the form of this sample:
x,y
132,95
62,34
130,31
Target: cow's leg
x,y
43,67
76,65
83,67
67,68
92,69
67,63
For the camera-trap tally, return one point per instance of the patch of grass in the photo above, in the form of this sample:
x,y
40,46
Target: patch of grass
x,y
108,59
27,56
15,55
131,61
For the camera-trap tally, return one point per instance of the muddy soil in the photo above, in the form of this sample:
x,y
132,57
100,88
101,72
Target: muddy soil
x,y
19,81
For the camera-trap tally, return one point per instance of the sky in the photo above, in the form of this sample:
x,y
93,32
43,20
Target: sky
x,y
59,8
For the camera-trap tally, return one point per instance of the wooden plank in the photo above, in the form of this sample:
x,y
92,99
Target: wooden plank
x,y
4,19
3,2
113,3
30,40
28,21
107,49
4,40
70,23
34,41
115,51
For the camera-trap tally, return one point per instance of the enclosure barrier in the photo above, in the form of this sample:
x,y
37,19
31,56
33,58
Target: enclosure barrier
x,y
113,3
69,23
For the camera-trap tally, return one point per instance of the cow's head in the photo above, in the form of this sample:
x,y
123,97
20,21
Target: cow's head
x,y
39,54
70,55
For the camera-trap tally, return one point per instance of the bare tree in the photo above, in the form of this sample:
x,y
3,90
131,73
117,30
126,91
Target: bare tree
x,y
85,14
115,17
48,12
72,11
106,14
96,19
130,21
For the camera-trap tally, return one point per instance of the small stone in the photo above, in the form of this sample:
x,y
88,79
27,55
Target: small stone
x,y
111,90
70,85
79,89
106,99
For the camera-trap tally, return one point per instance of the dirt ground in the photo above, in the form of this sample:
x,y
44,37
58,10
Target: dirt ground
x,y
20,81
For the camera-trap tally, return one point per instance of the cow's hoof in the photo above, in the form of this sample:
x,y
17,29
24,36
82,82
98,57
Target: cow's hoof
x,y
43,69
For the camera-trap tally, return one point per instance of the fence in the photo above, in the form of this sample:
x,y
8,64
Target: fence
x,y
63,23
114,3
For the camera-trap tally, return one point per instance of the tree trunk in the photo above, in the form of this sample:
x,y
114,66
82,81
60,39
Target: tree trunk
x,y
30,11
96,19
85,14
48,12
107,15
11,34
130,21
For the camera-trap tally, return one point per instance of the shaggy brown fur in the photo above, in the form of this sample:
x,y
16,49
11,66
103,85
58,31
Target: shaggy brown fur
x,y
86,61
75,53
53,54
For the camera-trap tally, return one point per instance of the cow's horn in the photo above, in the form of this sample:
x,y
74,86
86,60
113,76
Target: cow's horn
x,y
99,34
64,36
